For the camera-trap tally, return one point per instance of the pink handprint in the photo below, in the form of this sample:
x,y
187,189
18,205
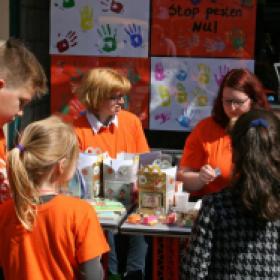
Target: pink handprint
x,y
159,72
69,41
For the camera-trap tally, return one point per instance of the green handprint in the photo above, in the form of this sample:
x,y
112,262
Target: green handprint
x,y
86,18
238,39
109,39
181,95
165,96
68,3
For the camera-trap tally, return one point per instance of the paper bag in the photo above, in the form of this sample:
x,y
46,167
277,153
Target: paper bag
x,y
120,177
90,167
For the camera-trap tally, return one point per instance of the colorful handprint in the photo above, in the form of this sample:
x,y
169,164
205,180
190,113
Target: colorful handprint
x,y
163,117
201,96
221,74
159,72
86,14
68,3
181,75
133,75
115,6
109,38
69,41
164,95
188,42
214,45
237,39
135,36
204,74
181,94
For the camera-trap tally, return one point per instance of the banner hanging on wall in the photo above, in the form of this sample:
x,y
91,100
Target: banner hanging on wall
x,y
203,28
100,28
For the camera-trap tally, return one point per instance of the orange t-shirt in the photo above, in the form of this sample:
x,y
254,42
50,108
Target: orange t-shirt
x,y
4,186
127,137
208,143
65,234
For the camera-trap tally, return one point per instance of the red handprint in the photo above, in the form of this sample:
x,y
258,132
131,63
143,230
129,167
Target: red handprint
x,y
69,41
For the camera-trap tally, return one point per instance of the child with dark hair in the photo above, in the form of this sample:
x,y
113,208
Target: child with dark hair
x,y
236,235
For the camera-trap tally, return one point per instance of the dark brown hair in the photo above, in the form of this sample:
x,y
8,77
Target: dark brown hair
x,y
256,157
241,80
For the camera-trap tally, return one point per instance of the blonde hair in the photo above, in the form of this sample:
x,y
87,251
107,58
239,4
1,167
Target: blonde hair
x,y
19,67
42,145
98,84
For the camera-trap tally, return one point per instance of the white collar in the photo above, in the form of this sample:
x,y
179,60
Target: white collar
x,y
96,124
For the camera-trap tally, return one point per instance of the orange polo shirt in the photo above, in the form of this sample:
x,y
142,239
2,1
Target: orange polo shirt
x,y
66,233
208,143
128,136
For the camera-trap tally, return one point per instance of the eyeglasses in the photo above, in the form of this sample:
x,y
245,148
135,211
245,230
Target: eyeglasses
x,y
235,102
117,97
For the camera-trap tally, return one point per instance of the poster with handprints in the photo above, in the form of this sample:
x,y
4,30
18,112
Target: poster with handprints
x,y
203,28
115,28
67,71
183,89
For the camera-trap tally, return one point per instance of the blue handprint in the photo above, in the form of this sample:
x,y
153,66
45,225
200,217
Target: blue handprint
x,y
181,75
109,39
135,35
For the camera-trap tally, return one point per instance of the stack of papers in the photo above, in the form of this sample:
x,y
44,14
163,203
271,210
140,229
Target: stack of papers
x,y
108,209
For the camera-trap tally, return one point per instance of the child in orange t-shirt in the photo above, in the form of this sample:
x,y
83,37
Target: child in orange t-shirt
x,y
21,78
44,234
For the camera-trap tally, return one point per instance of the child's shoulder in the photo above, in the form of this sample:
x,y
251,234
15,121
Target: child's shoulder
x,y
65,200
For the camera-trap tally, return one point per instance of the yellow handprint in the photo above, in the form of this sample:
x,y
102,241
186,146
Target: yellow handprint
x,y
165,96
86,18
181,95
201,97
204,74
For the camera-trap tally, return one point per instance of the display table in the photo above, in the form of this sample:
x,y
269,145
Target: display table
x,y
155,230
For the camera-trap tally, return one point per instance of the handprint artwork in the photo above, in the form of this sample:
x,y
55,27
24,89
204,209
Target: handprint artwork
x,y
114,6
68,3
164,95
220,75
237,38
159,72
69,41
181,94
135,36
217,45
163,117
204,74
109,42
86,15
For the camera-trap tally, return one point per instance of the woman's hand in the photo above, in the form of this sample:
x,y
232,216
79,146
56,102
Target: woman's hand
x,y
207,174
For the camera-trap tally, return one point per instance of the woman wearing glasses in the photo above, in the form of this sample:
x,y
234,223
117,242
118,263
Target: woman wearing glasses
x,y
206,164
106,127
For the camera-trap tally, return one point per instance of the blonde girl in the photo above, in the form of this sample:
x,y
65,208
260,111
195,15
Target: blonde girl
x,y
47,235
